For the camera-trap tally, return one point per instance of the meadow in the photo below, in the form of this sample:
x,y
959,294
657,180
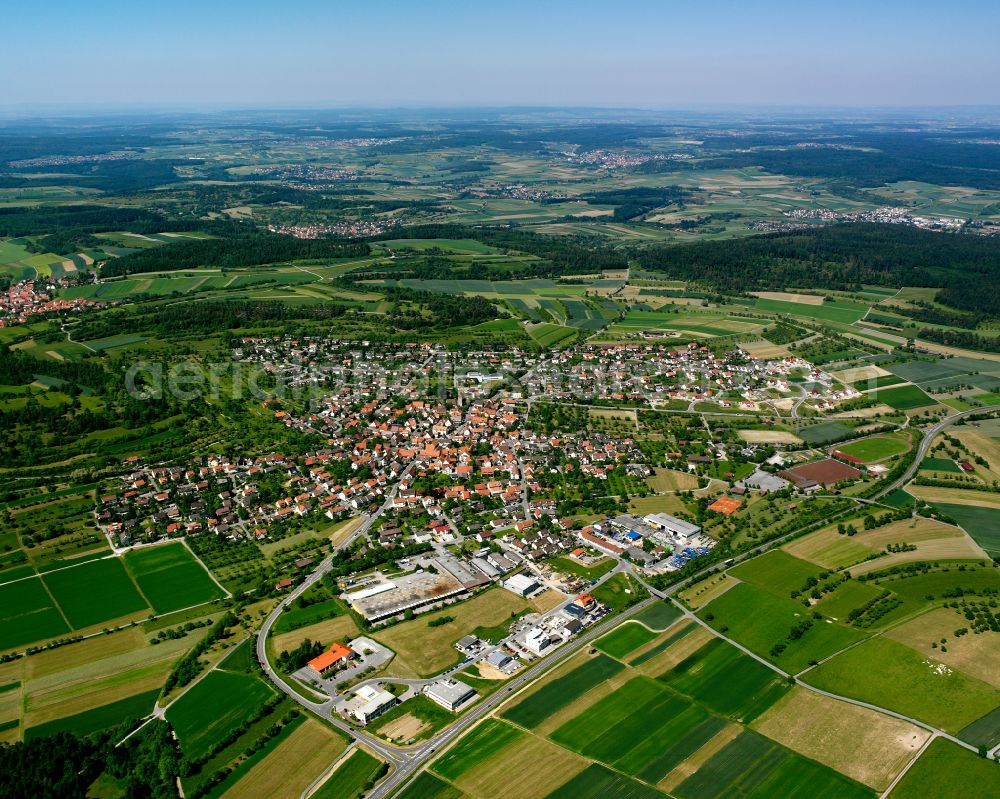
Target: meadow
x,y
624,639
28,614
947,771
486,740
171,578
217,705
94,592
776,572
357,770
982,523
891,675
426,650
760,620
903,398
837,311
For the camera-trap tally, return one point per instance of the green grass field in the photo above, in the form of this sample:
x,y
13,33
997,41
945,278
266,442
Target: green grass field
x,y
96,592
642,729
776,572
28,614
214,707
98,718
302,617
571,566
558,693
598,782
983,524
622,640
760,620
485,741
904,398
659,616
874,449
662,646
427,786
891,675
846,312
753,766
348,781
940,465
824,433
947,771
727,681
171,578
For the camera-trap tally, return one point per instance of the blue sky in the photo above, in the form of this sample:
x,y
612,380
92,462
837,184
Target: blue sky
x,y
671,53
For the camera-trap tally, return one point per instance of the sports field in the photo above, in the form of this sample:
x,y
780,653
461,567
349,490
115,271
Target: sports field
x,y
876,448
171,578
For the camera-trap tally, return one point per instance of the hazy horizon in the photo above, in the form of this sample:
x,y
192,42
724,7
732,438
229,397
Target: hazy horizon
x,y
685,55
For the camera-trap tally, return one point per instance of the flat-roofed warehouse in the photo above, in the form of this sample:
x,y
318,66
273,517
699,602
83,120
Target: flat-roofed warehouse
x,y
409,592
674,526
450,694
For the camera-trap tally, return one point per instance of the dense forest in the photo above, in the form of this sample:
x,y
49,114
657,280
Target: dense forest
x,y
146,766
205,317
636,202
966,268
250,248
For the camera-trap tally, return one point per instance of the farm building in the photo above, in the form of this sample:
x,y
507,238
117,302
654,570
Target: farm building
x,y
336,658
450,694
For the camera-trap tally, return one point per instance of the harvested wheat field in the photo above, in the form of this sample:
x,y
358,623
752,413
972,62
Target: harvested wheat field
x,y
863,744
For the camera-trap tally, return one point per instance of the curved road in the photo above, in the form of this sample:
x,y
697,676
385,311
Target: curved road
x,y
407,761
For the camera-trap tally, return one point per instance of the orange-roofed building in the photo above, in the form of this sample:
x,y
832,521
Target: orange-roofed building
x,y
726,505
335,659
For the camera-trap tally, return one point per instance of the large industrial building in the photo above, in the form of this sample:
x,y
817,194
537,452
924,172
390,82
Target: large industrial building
x,y
409,592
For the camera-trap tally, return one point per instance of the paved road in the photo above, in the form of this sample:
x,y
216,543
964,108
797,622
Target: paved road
x,y
408,761
925,444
